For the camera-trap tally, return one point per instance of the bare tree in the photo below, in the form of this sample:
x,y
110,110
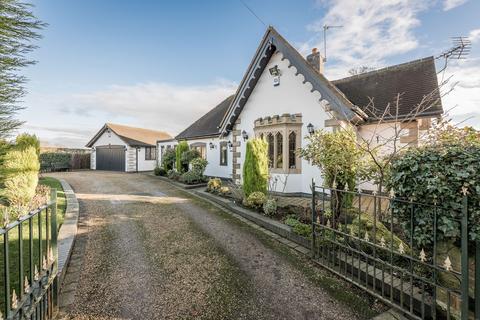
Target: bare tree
x,y
388,125
359,70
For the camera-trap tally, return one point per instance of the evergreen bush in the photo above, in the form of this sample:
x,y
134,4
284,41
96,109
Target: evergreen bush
x,y
214,184
255,168
191,177
437,174
19,176
49,159
182,147
168,159
25,140
255,200
174,175
159,171
199,165
270,207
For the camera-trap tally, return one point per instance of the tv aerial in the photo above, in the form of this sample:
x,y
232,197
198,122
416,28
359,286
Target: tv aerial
x,y
325,28
459,51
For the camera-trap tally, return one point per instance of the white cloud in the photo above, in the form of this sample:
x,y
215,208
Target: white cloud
x,y
372,31
159,106
465,97
450,4
474,35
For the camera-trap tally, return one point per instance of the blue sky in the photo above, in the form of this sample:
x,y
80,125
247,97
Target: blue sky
x,y
162,64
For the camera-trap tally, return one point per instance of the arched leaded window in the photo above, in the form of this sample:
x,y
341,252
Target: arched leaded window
x,y
271,149
279,150
283,135
292,148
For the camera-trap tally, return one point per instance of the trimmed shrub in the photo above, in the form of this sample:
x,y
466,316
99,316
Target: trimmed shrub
x,y
199,165
214,184
255,168
302,229
182,147
159,171
270,207
19,176
255,200
174,175
168,159
191,177
224,191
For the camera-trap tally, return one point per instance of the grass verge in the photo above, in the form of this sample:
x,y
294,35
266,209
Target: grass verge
x,y
61,200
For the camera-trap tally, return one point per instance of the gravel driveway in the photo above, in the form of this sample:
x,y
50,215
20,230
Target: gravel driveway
x,y
148,251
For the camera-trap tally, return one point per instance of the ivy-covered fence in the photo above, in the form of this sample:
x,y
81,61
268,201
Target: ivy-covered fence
x,y
373,241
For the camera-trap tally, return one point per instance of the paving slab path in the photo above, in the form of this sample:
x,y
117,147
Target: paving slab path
x,y
147,250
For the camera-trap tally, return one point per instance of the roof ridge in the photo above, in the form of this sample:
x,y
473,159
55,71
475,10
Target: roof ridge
x,y
138,128
206,114
384,69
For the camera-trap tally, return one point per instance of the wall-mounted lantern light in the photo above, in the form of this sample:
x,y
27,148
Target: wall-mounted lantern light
x,y
310,128
109,132
275,72
229,145
211,145
244,135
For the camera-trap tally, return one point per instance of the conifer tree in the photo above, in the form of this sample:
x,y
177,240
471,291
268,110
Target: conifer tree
x,y
18,29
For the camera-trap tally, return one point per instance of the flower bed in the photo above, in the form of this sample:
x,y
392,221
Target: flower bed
x,y
293,215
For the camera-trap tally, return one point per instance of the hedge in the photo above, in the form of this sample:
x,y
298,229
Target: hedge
x,y
437,175
19,176
48,159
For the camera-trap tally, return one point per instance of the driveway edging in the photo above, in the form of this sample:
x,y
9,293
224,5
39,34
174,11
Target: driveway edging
x,y
68,230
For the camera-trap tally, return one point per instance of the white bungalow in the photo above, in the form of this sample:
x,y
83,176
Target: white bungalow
x,y
283,97
123,148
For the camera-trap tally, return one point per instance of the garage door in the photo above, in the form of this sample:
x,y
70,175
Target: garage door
x,y
110,158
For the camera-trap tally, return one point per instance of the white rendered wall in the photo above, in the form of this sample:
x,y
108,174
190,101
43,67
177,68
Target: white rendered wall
x,y
159,149
291,96
214,169
144,165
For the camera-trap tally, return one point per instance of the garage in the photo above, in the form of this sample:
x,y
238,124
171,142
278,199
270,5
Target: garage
x,y
123,148
110,158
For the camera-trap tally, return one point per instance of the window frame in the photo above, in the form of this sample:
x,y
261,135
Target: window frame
x,y
201,147
151,154
282,127
223,146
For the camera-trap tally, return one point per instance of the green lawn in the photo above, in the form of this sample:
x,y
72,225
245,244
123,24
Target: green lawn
x,y
13,244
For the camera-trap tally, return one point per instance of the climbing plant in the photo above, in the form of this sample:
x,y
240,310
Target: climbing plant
x,y
436,173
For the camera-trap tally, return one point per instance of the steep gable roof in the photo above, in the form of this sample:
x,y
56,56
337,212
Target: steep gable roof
x,y
375,91
271,42
132,136
208,124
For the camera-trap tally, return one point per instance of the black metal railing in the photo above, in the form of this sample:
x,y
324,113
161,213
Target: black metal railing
x,y
29,264
377,243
